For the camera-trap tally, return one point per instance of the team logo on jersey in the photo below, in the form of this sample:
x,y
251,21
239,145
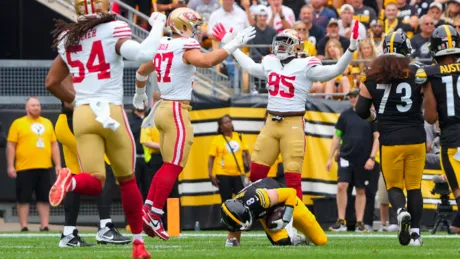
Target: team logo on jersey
x,y
37,128
190,16
233,146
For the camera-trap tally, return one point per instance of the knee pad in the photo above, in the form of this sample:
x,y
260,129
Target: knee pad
x,y
283,242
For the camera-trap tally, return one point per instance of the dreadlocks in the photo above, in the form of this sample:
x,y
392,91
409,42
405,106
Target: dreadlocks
x,y
74,31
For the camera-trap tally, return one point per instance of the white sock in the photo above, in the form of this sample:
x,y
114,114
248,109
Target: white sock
x,y
157,211
73,184
148,202
104,222
138,237
415,230
68,230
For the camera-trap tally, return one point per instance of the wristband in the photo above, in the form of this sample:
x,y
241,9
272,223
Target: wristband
x,y
141,78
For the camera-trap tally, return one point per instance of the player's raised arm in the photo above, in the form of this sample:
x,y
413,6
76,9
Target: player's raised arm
x,y
326,73
210,59
146,50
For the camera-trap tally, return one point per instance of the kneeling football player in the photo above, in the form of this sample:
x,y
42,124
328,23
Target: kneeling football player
x,y
258,199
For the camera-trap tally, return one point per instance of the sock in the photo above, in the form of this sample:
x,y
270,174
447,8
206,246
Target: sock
x,y
165,179
151,193
87,184
131,200
104,202
415,230
258,172
148,203
294,180
71,208
68,230
397,198
415,207
103,222
138,237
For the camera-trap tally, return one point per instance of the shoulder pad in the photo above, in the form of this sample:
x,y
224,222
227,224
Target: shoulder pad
x,y
191,43
420,76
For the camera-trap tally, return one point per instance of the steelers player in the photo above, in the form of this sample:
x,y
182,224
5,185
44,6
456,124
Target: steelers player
x,y
258,199
289,79
107,233
442,102
389,84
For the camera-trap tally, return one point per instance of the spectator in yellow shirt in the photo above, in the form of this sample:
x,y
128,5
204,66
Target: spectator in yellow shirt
x,y
31,146
226,164
308,47
150,139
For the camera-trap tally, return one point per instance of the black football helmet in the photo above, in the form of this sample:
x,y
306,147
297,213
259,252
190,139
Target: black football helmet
x,y
445,40
397,43
235,215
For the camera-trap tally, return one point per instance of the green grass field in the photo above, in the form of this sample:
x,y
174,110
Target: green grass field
x,y
210,244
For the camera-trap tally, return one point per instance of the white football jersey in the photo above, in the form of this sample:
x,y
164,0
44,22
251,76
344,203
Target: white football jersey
x,y
288,85
96,67
175,78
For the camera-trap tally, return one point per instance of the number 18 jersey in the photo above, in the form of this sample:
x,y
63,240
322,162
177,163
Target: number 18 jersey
x,y
96,67
445,83
288,84
175,78
399,109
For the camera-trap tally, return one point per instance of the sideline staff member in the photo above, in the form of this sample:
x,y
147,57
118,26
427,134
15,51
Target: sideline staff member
x,y
31,144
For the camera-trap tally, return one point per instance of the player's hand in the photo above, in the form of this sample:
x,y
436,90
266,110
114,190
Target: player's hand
x,y
329,165
220,33
246,35
278,225
214,180
12,172
369,164
139,100
354,36
156,18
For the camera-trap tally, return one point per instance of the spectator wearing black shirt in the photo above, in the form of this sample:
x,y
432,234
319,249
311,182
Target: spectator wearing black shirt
x,y
168,6
364,14
264,34
315,32
2,137
332,33
356,160
421,40
422,6
405,10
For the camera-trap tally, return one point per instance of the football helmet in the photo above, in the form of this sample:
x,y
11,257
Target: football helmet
x,y
445,40
287,44
397,43
235,215
185,22
91,7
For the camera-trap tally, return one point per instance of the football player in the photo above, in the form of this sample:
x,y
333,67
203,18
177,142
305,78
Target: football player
x,y
255,202
92,50
390,85
289,79
442,102
107,233
174,64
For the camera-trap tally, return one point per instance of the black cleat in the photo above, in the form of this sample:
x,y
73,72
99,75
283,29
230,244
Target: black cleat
x,y
73,240
110,235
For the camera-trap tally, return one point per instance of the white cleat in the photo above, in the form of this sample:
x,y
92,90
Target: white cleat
x,y
404,236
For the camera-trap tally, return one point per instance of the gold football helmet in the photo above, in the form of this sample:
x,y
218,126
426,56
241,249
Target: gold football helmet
x,y
185,22
89,7
287,44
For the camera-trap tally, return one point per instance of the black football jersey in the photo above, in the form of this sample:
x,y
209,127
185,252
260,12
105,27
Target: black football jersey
x,y
399,110
255,197
445,83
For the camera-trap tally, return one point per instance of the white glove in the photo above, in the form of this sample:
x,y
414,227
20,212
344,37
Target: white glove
x,y
156,18
279,224
139,98
242,38
354,37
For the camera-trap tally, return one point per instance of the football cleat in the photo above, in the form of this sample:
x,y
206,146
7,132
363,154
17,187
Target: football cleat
x,y
60,187
73,240
299,240
139,251
232,242
154,227
110,235
415,240
404,227
339,226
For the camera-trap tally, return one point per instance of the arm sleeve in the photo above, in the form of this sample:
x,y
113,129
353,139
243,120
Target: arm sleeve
x,y
326,73
13,132
143,52
288,196
362,107
249,65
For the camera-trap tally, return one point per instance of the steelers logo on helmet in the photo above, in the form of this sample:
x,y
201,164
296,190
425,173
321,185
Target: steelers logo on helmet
x,y
287,43
445,40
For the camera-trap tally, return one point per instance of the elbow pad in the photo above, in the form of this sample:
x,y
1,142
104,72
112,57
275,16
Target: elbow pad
x,y
363,106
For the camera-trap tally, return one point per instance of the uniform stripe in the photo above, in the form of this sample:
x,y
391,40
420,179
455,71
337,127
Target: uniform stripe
x,y
392,40
122,35
122,31
179,145
133,144
449,36
86,8
92,6
183,133
227,211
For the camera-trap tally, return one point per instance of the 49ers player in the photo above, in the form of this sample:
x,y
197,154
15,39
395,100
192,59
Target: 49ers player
x,y
174,64
289,80
92,50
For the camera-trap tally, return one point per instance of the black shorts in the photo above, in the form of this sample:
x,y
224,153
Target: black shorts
x,y
355,175
229,185
33,180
